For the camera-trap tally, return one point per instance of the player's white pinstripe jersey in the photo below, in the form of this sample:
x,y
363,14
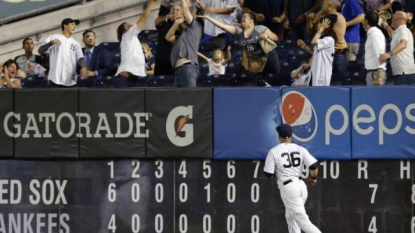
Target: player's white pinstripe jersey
x,y
286,159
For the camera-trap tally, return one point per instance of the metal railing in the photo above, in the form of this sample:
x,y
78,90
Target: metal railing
x,y
90,18
26,10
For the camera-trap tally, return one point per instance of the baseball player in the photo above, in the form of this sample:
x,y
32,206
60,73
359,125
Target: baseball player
x,y
64,53
285,161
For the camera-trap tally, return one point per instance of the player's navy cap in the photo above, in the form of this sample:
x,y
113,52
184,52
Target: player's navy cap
x,y
69,20
284,131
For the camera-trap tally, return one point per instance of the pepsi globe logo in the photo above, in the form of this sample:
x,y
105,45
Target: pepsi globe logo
x,y
297,111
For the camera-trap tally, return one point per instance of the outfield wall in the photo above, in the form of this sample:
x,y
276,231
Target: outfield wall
x,y
191,160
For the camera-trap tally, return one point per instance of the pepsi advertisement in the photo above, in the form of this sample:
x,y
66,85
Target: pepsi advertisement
x,y
383,122
245,121
319,117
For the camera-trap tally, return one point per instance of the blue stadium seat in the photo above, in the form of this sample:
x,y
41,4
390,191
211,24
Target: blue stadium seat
x,y
88,82
234,68
281,79
219,81
203,68
112,47
247,80
161,81
237,56
33,82
148,36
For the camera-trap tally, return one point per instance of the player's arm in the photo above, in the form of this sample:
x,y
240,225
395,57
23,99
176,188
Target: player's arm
x,y
269,175
269,167
312,179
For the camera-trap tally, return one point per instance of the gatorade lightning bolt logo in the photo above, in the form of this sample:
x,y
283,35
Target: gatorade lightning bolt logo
x,y
297,111
178,129
182,122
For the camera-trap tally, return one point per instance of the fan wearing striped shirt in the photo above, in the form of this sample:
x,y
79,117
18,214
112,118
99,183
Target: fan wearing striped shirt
x,y
285,162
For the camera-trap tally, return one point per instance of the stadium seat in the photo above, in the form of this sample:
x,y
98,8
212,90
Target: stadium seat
x,y
219,81
281,79
147,36
112,47
33,82
203,68
88,82
161,81
247,80
234,68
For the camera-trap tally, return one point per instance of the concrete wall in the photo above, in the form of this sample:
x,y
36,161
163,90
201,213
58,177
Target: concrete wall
x,y
103,16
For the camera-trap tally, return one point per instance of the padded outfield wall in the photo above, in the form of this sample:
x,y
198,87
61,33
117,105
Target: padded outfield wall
x,y
191,160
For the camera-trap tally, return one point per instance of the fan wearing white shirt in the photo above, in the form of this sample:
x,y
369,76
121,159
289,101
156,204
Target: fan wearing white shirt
x,y
374,46
133,64
401,54
64,54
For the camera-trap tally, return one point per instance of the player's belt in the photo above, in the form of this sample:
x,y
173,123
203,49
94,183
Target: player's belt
x,y
289,181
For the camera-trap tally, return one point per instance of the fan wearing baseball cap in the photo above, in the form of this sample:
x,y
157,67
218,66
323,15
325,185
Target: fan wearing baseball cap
x,y
64,54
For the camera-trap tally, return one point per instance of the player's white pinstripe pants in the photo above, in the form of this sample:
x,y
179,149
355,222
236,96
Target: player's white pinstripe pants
x,y
294,195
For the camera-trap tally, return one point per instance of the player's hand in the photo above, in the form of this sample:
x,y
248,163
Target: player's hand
x,y
312,181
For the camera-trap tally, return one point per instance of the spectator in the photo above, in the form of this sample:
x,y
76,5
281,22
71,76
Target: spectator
x,y
184,53
270,13
353,13
8,73
237,13
150,59
221,11
64,53
248,36
302,75
374,46
28,62
401,54
133,63
217,64
391,5
97,59
340,61
163,24
323,42
296,12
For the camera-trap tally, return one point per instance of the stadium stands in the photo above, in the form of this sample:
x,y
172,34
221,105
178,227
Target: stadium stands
x,y
290,55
